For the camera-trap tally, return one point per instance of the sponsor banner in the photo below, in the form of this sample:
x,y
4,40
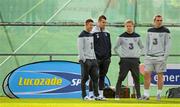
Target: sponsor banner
x,y
46,79
171,76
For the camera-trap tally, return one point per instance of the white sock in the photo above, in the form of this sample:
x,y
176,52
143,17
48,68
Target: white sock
x,y
91,93
159,92
146,92
101,93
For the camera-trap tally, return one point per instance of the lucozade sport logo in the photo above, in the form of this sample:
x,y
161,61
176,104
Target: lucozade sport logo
x,y
47,79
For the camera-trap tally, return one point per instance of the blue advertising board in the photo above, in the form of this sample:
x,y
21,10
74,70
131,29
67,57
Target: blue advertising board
x,y
171,77
45,79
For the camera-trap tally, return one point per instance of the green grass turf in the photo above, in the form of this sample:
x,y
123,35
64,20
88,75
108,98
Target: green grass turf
x,y
69,100
7,102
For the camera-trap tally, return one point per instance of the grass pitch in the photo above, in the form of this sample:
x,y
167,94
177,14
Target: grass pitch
x,y
164,102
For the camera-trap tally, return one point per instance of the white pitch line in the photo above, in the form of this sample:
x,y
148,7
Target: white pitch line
x,y
27,40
